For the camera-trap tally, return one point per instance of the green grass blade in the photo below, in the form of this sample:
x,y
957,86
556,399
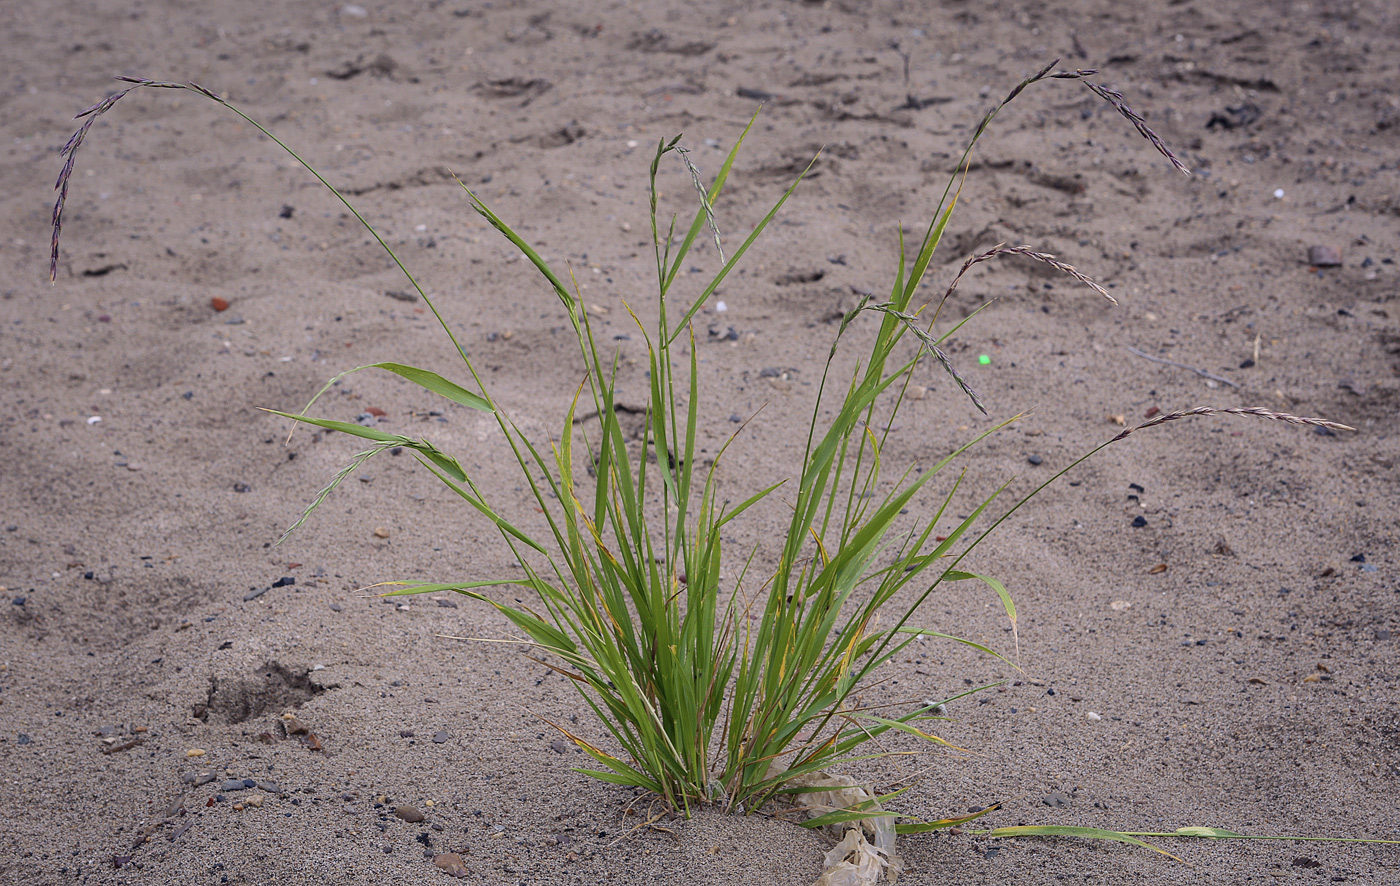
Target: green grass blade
x,y
1057,830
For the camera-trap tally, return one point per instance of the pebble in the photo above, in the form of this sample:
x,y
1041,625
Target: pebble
x,y
559,746
451,863
409,813
381,532
1139,521
1093,716
1055,801
218,304
198,779
1035,459
195,752
336,607
253,594
285,581
232,784
440,736
1324,256
242,487
24,738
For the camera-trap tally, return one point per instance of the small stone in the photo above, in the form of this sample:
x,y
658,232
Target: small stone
x,y
242,487
24,738
440,736
232,784
447,604
1139,521
1324,256
218,304
1055,801
1034,459
409,814
559,746
381,532
1120,605
294,726
255,801
451,863
197,779
1382,635
20,601
195,752
1093,716
285,581
253,594
336,607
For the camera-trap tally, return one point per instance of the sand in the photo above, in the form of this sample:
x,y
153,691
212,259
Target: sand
x,y
1239,648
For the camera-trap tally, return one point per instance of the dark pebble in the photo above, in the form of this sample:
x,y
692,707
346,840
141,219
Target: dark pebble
x,y
242,487
559,746
20,601
1035,459
232,784
250,782
285,581
254,594
736,418
1382,635
447,604
24,738
1359,558
1323,432
89,576
406,733
336,607
440,737
1246,364
770,372
1139,521
993,852
409,814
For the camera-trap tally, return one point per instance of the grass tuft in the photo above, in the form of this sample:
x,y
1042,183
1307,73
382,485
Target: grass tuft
x,y
705,691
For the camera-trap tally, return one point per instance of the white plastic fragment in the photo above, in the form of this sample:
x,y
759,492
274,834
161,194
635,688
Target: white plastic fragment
x,y
855,861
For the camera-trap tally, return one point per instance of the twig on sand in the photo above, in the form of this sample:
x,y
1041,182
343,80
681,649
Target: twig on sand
x,y
1201,372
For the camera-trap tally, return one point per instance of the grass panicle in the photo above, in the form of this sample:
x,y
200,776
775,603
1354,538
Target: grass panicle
x,y
719,679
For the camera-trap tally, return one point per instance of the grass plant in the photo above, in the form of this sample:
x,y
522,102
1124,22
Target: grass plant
x,y
635,598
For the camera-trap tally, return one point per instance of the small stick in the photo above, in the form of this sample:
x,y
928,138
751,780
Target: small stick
x,y
1201,372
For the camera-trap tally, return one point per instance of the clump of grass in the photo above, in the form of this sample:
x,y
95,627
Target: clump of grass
x,y
710,694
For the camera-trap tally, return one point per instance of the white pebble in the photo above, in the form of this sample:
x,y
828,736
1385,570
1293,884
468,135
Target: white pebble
x,y
721,307
1278,194
1093,716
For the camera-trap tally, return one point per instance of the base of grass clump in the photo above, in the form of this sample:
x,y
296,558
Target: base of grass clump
x,y
709,695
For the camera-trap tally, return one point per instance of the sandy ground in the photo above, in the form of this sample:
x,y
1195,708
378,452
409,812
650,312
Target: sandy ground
x,y
1240,647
